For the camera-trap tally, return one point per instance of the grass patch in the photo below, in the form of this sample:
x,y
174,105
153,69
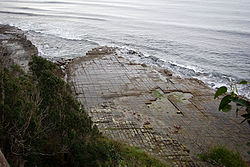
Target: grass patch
x,y
131,156
221,156
156,94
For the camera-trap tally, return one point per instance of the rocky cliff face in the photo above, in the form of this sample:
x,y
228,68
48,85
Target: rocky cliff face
x,y
15,48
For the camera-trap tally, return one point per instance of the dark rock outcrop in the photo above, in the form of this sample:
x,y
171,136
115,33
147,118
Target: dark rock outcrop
x,y
15,48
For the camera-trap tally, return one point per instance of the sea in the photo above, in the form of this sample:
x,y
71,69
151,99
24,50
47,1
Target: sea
x,y
204,39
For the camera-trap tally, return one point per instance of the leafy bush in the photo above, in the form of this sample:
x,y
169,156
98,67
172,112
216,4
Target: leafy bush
x,y
40,118
221,156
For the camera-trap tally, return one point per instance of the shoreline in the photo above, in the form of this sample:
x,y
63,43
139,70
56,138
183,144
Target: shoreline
x,y
147,105
212,79
39,100
169,117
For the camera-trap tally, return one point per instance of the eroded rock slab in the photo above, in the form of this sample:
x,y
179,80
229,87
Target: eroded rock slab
x,y
169,117
15,48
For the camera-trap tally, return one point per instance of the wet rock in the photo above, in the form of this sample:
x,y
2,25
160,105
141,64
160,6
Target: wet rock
x,y
168,73
132,52
62,62
102,51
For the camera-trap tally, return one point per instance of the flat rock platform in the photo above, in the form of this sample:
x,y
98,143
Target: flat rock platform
x,y
148,107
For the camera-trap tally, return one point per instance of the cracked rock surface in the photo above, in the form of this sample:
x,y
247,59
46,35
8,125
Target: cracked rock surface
x,y
167,116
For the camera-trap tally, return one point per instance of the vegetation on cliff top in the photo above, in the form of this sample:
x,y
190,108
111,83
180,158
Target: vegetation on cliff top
x,y
41,124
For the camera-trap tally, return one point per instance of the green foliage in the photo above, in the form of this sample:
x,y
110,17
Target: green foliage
x,y
233,96
40,118
224,105
136,157
41,124
243,82
124,155
220,156
220,91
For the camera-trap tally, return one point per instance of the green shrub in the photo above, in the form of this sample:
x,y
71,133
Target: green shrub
x,y
221,156
134,156
40,119
117,153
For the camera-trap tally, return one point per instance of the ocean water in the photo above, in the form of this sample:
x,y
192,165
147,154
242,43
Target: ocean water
x,y
208,40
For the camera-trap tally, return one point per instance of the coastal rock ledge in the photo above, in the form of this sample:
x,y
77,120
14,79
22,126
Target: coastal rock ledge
x,y
167,116
148,107
15,48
